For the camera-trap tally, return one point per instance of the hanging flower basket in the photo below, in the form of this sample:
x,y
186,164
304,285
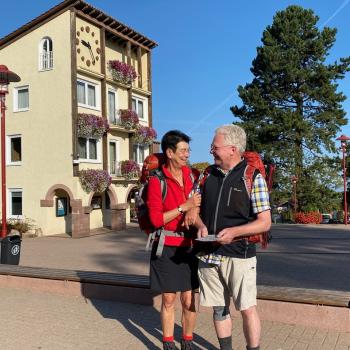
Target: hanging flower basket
x,y
144,135
122,72
130,169
91,125
94,180
128,118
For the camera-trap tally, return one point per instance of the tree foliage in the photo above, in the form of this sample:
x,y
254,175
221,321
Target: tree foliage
x,y
292,109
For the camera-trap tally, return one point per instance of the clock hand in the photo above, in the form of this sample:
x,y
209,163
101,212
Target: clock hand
x,y
86,43
92,55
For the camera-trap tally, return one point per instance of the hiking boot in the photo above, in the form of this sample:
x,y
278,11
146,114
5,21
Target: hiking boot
x,y
186,345
169,345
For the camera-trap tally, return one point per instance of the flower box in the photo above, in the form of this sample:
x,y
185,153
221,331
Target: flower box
x,y
130,169
122,72
144,135
128,119
91,125
94,180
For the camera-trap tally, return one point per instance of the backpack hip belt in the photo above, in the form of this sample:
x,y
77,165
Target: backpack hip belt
x,y
167,238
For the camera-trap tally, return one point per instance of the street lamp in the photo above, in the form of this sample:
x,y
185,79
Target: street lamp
x,y
294,180
6,77
343,139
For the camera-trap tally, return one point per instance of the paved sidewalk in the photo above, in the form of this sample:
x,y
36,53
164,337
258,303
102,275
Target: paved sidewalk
x,y
33,321
50,322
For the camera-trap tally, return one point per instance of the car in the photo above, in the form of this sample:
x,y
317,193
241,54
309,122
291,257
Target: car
x,y
326,218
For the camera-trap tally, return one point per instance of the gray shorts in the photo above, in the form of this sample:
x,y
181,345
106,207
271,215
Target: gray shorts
x,y
234,278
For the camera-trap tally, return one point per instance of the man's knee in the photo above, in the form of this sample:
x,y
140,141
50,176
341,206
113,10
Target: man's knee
x,y
221,313
250,312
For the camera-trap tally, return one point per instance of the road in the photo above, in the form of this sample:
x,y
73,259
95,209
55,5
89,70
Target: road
x,y
306,256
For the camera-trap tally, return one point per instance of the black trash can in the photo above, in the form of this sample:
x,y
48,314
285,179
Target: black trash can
x,y
10,250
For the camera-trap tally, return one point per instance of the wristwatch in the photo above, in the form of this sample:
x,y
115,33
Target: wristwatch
x,y
180,210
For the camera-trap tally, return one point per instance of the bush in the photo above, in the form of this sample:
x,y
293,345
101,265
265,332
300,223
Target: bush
x,y
20,225
287,216
312,217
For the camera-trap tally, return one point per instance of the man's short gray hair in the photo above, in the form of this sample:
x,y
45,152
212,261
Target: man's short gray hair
x,y
233,135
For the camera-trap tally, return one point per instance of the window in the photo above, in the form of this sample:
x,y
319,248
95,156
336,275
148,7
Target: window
x,y
45,54
87,94
89,149
112,107
15,202
114,168
138,107
14,150
21,99
139,153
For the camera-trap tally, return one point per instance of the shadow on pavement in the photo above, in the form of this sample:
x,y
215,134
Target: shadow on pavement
x,y
143,323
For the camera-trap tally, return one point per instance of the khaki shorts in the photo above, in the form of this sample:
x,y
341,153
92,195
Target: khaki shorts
x,y
234,278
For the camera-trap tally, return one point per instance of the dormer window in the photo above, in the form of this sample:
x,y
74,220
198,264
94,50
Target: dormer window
x,y
45,54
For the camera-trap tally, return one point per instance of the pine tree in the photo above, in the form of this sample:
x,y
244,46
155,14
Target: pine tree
x,y
292,109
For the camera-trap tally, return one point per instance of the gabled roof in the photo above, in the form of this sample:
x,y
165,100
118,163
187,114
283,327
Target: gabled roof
x,y
109,23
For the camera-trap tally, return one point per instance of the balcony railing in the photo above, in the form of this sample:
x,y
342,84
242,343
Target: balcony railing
x,y
115,169
46,60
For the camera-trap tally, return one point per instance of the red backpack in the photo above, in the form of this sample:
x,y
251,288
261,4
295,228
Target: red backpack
x,y
254,163
152,167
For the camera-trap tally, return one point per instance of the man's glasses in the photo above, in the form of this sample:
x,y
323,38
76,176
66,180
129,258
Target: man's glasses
x,y
216,148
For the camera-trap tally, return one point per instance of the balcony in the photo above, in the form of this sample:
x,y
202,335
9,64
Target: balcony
x,y
129,177
116,124
115,169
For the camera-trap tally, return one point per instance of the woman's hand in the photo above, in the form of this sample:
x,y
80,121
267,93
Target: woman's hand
x,y
191,217
193,202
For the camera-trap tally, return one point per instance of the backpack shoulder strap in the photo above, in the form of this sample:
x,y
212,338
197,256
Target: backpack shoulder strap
x,y
163,187
249,175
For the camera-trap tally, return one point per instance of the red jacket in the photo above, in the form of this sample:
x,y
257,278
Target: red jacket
x,y
175,196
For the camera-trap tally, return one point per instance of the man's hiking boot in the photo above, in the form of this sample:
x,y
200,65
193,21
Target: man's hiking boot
x,y
169,345
186,345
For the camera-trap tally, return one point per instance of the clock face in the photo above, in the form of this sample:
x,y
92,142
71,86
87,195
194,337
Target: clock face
x,y
88,46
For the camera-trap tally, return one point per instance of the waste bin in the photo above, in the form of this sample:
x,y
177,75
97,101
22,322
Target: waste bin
x,y
10,250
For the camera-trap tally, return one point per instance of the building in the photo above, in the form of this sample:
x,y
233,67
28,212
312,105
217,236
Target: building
x,y
75,64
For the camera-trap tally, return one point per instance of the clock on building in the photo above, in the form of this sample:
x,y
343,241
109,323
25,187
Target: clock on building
x,y
88,46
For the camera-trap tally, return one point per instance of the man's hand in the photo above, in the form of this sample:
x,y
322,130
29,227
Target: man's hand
x,y
191,217
202,231
226,236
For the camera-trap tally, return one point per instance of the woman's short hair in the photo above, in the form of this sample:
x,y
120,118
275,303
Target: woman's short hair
x,y
233,135
172,138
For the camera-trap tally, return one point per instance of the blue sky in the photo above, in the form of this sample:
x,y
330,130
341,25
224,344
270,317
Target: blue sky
x,y
205,51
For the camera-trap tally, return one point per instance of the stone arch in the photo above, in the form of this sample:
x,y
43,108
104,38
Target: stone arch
x,y
130,189
48,201
112,196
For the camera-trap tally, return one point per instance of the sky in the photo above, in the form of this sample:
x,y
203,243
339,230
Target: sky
x,y
205,52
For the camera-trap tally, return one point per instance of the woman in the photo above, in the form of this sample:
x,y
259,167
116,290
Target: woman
x,y
175,270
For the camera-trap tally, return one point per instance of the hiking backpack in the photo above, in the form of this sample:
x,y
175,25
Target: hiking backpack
x,y
152,167
254,164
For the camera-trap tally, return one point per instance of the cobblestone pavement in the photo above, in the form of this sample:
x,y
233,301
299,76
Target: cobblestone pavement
x,y
41,321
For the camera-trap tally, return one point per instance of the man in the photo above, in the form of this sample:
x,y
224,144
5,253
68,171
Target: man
x,y
230,268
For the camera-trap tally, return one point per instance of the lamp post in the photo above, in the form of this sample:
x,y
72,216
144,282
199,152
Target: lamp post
x,y
6,77
343,139
294,180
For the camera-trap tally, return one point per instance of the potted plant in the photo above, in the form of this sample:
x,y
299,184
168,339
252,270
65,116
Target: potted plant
x,y
130,169
91,125
94,180
128,118
144,135
122,72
